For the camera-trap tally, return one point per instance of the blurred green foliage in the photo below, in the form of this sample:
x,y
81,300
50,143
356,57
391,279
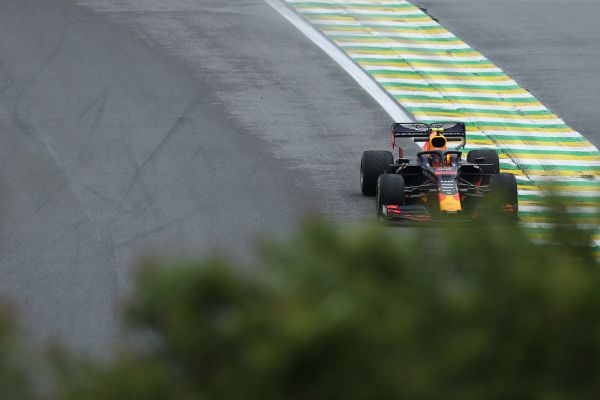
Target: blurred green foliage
x,y
14,377
459,312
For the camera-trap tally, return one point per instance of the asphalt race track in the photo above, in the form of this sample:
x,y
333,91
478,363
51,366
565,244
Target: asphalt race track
x,y
136,126
549,46
137,130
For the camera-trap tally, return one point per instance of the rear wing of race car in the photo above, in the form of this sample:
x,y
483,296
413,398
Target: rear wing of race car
x,y
453,131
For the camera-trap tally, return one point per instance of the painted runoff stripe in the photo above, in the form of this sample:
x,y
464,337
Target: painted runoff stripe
x,y
436,76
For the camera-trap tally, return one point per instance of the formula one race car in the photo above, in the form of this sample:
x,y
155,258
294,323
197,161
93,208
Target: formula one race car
x,y
438,184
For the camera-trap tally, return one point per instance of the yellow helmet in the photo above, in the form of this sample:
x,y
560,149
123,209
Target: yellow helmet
x,y
437,140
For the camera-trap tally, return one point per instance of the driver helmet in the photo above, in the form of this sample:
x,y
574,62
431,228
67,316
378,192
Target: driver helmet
x,y
437,141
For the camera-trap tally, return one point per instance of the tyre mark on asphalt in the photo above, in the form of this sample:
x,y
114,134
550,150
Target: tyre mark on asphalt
x,y
98,104
179,122
28,126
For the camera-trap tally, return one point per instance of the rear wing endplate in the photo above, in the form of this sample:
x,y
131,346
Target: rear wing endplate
x,y
453,131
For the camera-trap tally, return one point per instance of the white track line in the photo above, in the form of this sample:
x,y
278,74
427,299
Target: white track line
x,y
364,80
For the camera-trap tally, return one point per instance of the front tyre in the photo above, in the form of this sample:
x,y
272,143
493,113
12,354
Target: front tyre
x,y
372,164
489,157
504,189
390,191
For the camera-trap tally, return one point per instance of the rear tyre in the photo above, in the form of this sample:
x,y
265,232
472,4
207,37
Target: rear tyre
x,y
489,157
504,189
372,164
390,191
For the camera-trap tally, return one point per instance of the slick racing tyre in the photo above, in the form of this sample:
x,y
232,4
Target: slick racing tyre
x,y
372,164
390,191
504,190
489,157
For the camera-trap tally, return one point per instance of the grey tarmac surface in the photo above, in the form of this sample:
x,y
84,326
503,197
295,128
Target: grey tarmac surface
x,y
551,47
162,126
175,126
